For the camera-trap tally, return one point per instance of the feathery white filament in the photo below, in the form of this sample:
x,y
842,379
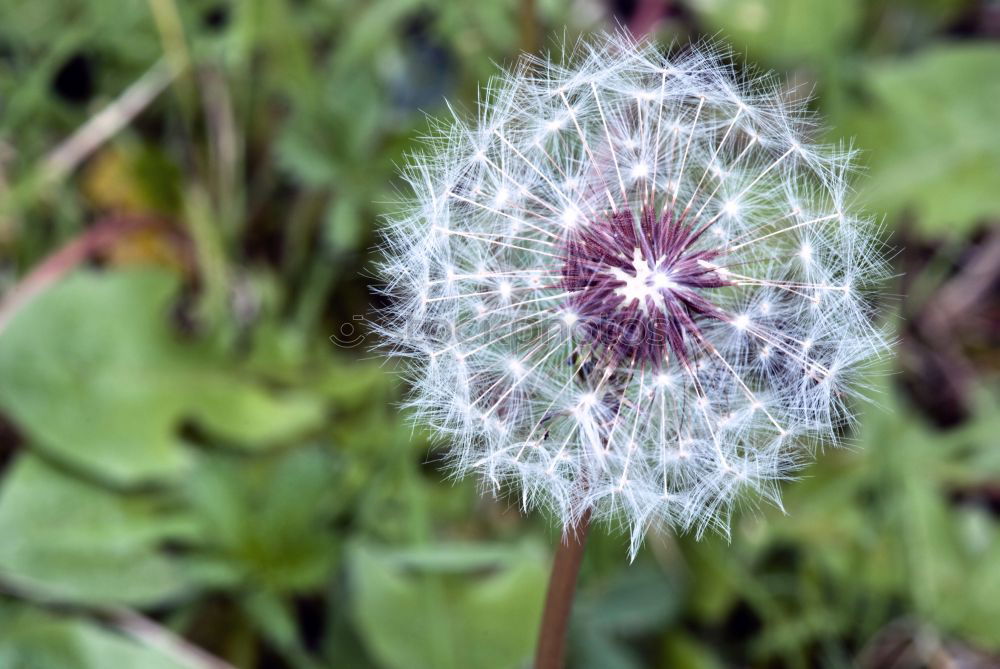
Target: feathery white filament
x,y
501,363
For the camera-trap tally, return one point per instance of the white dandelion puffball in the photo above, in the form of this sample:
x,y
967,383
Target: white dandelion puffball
x,y
632,287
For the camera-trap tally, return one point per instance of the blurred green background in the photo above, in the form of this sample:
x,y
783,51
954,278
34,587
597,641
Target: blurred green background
x,y
202,464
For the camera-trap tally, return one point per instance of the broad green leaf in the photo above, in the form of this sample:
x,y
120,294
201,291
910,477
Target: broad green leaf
x,y
94,374
448,606
237,411
32,639
76,541
928,127
84,368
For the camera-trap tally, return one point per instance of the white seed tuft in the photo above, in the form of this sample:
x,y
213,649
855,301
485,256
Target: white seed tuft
x,y
530,395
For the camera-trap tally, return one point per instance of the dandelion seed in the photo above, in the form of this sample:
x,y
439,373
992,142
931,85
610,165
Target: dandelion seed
x,y
699,354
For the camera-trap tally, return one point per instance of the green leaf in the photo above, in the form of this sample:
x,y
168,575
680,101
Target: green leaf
x,y
878,522
636,601
907,24
32,639
343,225
680,649
101,344
275,619
306,150
237,411
928,126
76,541
784,31
266,523
448,606
952,568
98,340
603,652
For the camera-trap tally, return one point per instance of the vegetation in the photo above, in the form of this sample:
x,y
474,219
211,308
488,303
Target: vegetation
x,y
202,465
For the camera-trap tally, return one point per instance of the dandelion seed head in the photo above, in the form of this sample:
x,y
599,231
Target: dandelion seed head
x,y
630,286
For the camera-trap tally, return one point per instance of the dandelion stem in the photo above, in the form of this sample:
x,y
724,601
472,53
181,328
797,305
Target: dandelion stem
x,y
559,600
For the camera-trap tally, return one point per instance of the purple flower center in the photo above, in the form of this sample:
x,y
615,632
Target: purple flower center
x,y
640,289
